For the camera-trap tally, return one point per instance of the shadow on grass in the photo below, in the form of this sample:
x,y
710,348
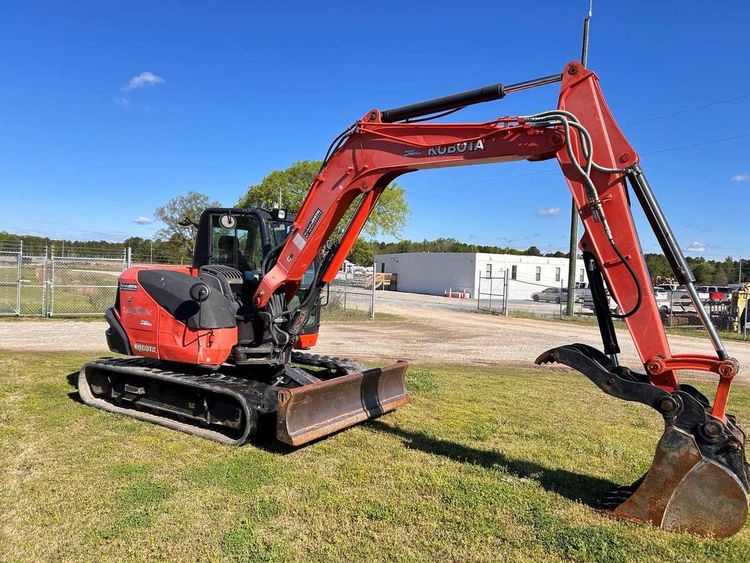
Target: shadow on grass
x,y
573,486
72,379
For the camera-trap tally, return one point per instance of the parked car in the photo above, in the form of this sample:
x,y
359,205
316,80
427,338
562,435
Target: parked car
x,y
588,301
662,300
553,295
716,294
668,286
679,291
669,301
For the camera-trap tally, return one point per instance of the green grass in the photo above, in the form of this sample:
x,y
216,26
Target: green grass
x,y
334,314
486,464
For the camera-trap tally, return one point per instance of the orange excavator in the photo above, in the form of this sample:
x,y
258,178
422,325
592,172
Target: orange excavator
x,y
212,347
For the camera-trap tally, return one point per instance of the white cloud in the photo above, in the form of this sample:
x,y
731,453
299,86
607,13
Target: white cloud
x,y
548,211
124,102
141,80
141,220
744,177
697,246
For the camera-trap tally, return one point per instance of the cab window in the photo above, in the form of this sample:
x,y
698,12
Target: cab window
x,y
240,246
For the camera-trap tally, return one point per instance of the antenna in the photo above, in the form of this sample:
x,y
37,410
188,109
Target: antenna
x,y
573,251
585,47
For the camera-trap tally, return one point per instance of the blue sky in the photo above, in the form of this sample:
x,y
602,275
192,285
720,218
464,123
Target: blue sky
x,y
108,109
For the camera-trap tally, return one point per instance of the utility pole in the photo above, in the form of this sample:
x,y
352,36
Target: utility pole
x,y
573,249
151,251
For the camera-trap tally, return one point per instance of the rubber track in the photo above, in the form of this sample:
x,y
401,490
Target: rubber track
x,y
254,396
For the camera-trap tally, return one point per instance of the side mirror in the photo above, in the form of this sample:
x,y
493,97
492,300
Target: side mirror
x,y
228,221
199,292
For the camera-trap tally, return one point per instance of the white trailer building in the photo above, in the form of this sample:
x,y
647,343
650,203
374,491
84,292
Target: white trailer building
x,y
435,273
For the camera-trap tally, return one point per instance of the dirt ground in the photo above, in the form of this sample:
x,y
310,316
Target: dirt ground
x,y
431,332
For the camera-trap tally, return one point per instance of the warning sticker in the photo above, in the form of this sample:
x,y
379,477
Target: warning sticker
x,y
299,241
314,221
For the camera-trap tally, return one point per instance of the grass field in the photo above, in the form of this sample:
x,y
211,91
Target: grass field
x,y
340,315
485,464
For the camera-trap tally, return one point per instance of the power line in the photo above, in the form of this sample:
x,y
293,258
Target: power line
x,y
699,144
687,110
638,122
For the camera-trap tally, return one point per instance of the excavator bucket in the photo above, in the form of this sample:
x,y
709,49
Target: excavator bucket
x,y
684,491
310,412
698,480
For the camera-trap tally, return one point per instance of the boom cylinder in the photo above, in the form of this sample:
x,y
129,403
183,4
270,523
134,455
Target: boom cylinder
x,y
463,99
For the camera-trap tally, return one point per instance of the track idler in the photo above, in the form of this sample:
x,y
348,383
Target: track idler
x,y
698,481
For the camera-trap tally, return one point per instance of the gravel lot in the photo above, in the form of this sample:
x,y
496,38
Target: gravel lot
x,y
435,329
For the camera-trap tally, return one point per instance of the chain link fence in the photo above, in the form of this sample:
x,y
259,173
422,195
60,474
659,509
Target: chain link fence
x,y
52,282
500,294
492,294
352,294
41,282
23,280
83,285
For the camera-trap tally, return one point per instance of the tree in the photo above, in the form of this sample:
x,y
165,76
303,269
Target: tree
x,y
704,271
177,210
362,253
658,266
289,187
720,275
730,268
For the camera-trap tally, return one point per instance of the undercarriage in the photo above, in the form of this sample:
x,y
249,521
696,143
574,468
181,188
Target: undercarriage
x,y
310,398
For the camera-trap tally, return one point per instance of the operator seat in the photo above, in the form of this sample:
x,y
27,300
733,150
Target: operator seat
x,y
229,253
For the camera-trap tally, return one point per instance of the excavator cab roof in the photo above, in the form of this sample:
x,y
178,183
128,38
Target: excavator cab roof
x,y
239,237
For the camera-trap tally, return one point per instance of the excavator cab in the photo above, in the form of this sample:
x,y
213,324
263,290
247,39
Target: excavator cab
x,y
241,239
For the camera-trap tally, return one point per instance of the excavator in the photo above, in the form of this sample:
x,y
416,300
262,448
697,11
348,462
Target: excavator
x,y
214,348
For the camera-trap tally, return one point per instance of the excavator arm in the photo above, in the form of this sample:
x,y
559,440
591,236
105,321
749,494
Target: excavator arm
x,y
699,480
372,153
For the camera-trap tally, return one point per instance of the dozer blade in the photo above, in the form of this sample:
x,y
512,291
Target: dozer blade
x,y
316,410
698,480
